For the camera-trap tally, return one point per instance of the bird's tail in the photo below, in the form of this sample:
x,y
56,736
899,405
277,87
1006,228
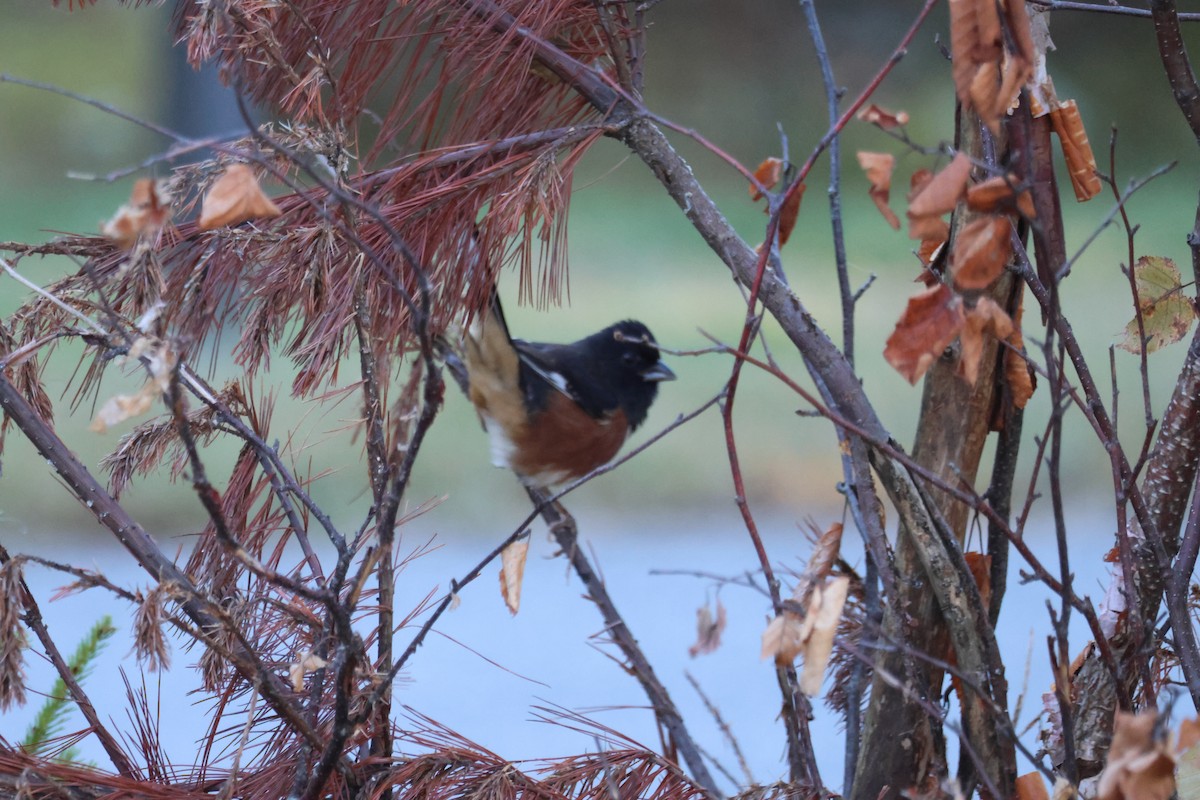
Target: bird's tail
x,y
491,359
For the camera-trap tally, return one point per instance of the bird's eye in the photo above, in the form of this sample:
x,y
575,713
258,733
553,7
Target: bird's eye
x,y
629,358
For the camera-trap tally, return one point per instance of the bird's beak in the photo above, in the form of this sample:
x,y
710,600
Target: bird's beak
x,y
659,372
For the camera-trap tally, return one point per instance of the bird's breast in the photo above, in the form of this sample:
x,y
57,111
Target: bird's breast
x,y
563,442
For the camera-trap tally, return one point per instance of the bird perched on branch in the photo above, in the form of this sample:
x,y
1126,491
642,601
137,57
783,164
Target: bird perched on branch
x,y
555,412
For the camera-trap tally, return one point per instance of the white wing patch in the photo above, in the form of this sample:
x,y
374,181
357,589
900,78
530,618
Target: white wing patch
x,y
555,379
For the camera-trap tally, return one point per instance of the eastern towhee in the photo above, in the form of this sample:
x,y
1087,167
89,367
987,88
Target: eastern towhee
x,y
555,412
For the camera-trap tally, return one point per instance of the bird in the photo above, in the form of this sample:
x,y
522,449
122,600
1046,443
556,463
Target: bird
x,y
555,412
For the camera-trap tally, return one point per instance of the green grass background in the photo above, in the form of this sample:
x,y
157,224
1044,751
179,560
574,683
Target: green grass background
x,y
736,72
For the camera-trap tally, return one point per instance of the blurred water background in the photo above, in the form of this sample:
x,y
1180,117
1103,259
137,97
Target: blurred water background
x,y
734,71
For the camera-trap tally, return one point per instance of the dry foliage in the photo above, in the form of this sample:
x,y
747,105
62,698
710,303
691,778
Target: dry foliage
x,y
421,148
930,322
1165,313
878,167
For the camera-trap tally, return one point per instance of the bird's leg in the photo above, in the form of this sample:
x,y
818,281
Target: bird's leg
x,y
558,519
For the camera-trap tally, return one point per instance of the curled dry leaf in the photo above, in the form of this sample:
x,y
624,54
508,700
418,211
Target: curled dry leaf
x,y
928,252
160,359
930,322
937,196
975,39
1077,150
789,636
882,118
235,197
124,406
784,638
987,78
928,229
157,356
709,628
1167,314
878,167
1188,748
1141,766
146,212
942,191
998,194
980,565
984,93
306,663
918,181
981,251
768,174
1015,72
512,573
1031,786
1017,17
987,318
788,213
1188,735
824,609
825,553
1063,790
1017,373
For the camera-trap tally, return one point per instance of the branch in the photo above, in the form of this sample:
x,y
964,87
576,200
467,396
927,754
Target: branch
x,y
113,516
1173,52
563,528
33,618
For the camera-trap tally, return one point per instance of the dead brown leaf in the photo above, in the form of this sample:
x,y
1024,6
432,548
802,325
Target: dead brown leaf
x,y
980,565
1021,382
928,253
984,92
943,190
1167,313
512,573
146,212
121,407
784,638
975,39
768,174
878,167
987,318
1031,786
930,322
788,214
918,181
882,118
235,197
1015,72
1140,766
997,194
788,636
1189,734
935,197
825,610
987,77
981,251
1017,16
928,229
306,663
709,628
820,564
1077,150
